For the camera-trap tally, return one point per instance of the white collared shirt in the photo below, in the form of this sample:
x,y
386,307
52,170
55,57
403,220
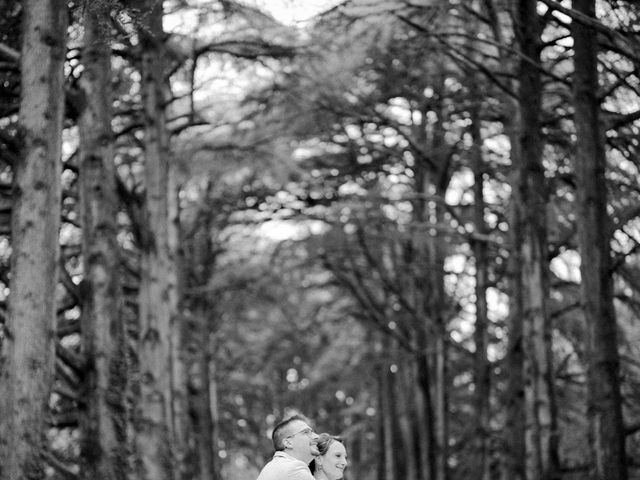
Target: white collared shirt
x,y
284,467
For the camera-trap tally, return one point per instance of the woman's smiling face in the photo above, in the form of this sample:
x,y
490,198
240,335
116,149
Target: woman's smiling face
x,y
334,461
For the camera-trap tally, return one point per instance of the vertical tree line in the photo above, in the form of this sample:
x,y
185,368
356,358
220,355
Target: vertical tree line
x,y
28,341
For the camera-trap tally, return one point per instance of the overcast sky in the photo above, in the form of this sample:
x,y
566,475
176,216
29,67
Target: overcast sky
x,y
293,11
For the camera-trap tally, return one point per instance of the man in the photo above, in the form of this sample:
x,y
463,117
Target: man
x,y
295,443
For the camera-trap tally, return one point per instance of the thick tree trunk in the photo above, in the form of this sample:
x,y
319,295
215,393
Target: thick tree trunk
x,y
27,365
157,297
104,451
541,431
606,433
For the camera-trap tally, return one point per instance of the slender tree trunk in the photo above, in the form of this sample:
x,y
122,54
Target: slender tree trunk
x,y
606,432
513,443
27,366
200,257
417,401
481,333
155,433
214,412
424,379
431,180
104,450
423,435
441,406
424,341
437,312
513,449
541,431
182,427
406,419
201,400
387,413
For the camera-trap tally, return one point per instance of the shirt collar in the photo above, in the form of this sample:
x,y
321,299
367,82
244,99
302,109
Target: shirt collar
x,y
283,454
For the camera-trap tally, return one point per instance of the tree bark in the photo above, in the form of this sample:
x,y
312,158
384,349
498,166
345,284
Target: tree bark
x,y
513,442
482,379
437,303
387,443
541,430
199,260
406,422
27,366
182,427
424,433
606,429
104,452
202,395
157,296
432,176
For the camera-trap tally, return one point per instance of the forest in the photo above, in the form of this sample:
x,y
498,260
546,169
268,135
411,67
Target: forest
x,y
415,222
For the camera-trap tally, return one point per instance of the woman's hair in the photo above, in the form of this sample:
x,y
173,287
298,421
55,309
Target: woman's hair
x,y
324,442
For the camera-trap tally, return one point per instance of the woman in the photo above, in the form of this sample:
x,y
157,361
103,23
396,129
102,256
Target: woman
x,y
332,461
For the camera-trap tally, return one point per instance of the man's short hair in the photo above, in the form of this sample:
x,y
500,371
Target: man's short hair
x,y
279,431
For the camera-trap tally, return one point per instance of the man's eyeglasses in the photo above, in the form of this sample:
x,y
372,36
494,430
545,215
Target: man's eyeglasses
x,y
308,431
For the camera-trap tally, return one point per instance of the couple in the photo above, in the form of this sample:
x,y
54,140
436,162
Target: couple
x,y
302,454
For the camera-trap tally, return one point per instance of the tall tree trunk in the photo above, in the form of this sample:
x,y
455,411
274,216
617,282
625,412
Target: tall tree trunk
x,y
441,404
182,427
406,421
27,365
606,429
423,365
437,307
481,333
214,411
513,441
200,257
425,361
201,395
155,432
104,450
432,175
541,431
513,449
387,415
423,432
